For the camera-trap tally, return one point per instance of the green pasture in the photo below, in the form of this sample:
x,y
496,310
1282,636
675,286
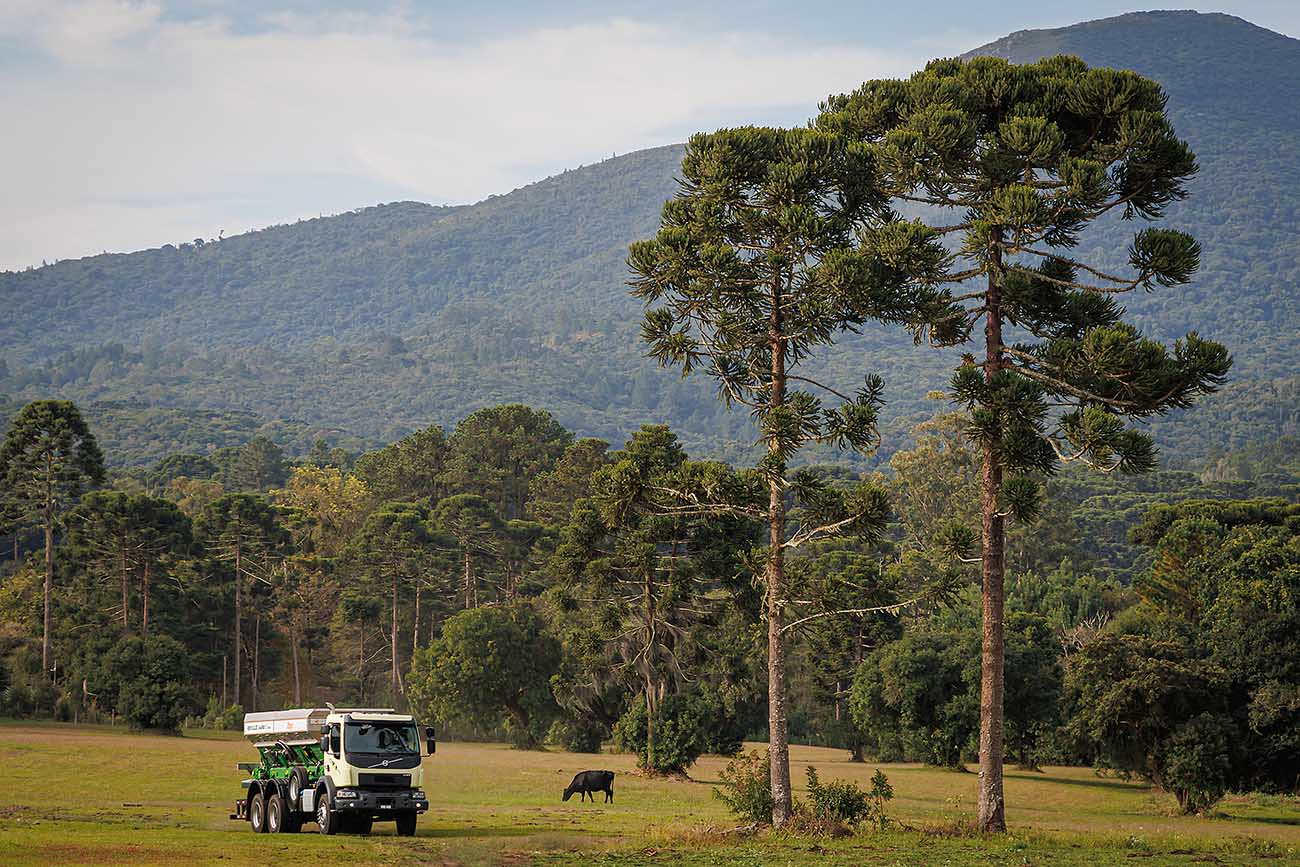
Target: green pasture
x,y
98,795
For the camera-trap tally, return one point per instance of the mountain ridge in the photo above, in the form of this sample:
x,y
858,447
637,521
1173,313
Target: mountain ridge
x,y
383,319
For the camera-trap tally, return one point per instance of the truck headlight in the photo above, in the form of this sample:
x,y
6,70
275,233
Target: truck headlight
x,y
345,793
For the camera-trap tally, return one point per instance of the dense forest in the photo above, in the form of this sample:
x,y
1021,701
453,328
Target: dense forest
x,y
367,326
201,586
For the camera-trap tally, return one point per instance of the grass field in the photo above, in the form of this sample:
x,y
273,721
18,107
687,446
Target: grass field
x,y
96,795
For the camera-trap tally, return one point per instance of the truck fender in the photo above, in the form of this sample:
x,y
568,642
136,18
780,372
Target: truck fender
x,y
329,787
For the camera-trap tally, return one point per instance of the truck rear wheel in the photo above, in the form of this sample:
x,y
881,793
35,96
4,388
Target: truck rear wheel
x,y
257,814
406,824
275,815
326,818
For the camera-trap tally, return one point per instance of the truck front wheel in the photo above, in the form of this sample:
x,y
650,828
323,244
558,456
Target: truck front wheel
x,y
406,824
257,814
326,818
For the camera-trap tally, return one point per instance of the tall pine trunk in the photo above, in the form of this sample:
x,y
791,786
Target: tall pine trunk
x,y
778,731
49,563
126,590
992,811
415,626
144,602
49,585
239,616
297,675
397,683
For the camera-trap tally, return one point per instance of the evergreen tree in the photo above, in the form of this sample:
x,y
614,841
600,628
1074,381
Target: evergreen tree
x,y
244,531
1010,165
392,549
409,469
496,453
130,539
643,572
744,281
49,455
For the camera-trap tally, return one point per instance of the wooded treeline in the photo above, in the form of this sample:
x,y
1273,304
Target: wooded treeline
x,y
511,581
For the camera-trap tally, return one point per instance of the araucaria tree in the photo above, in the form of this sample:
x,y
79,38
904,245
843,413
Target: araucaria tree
x,y
1009,166
48,457
747,276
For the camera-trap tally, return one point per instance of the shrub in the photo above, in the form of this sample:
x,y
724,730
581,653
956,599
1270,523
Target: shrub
x,y
150,681
881,793
747,787
687,725
222,719
837,801
1197,762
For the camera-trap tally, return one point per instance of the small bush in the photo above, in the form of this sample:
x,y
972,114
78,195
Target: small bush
x,y
150,680
222,719
687,725
747,787
837,801
1196,762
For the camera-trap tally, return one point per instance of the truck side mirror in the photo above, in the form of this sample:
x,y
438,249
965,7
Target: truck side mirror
x,y
324,743
430,740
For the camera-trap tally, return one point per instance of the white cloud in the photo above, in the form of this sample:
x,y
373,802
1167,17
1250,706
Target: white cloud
x,y
140,130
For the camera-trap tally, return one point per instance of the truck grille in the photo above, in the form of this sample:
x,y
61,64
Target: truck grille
x,y
390,781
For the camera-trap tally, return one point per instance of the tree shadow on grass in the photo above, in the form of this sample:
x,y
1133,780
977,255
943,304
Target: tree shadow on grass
x,y
1121,785
1266,820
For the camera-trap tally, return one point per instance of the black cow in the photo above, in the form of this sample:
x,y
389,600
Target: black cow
x,y
590,782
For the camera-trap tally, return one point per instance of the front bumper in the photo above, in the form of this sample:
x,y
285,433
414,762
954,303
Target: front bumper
x,y
380,802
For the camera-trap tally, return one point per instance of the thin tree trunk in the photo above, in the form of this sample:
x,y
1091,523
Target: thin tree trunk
x,y
992,808
397,684
49,584
225,659
468,605
361,661
257,659
49,562
144,592
126,589
297,676
778,732
239,616
651,702
415,628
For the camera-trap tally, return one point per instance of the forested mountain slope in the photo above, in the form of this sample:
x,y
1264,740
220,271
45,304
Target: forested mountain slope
x,y
366,325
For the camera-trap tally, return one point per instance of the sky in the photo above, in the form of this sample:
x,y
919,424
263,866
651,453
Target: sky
x,y
135,123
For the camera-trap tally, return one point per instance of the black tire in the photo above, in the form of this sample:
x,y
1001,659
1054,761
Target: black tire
x,y
276,815
326,819
406,824
257,814
297,785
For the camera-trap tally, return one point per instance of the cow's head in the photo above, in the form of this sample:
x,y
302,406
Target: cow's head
x,y
568,793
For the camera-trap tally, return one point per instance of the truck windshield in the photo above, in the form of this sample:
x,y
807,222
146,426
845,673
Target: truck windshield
x,y
393,738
